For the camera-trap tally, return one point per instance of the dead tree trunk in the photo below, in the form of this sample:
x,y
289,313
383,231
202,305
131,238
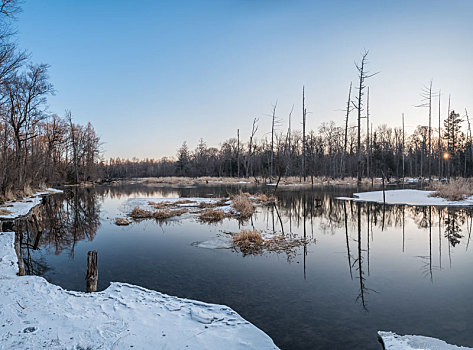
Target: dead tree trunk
x,y
92,271
303,135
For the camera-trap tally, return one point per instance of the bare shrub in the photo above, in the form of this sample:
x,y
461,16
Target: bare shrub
x,y
212,215
242,204
454,190
122,222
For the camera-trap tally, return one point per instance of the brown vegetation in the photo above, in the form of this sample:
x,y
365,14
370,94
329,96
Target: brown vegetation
x,y
5,212
252,242
212,215
248,241
242,204
160,214
454,190
122,222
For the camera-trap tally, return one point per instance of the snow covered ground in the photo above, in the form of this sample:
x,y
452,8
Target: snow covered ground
x,y
409,197
38,315
14,209
392,341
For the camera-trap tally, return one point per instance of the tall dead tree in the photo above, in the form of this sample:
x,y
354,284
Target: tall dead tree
x,y
347,114
403,149
273,123
249,158
427,103
238,152
439,142
304,111
368,150
362,76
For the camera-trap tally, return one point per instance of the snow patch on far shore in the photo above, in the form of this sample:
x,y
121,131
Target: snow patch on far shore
x,y
23,207
36,314
408,197
392,341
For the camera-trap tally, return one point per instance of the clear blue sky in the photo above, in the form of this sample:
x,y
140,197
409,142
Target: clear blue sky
x,y
151,74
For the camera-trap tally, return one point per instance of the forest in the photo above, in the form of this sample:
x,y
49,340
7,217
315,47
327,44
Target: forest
x,y
37,147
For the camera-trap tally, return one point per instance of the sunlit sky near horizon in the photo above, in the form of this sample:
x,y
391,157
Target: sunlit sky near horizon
x,y
152,74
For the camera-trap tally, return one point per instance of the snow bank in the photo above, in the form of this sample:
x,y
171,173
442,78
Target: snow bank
x,y
409,197
392,341
36,314
23,207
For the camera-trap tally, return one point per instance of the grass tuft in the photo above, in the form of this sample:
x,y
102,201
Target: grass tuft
x,y
212,215
242,204
454,190
122,222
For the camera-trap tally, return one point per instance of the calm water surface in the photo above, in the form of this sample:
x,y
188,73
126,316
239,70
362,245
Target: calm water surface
x,y
365,267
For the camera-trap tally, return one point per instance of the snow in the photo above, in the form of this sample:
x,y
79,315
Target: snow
x,y
38,315
215,243
23,207
392,341
144,203
409,197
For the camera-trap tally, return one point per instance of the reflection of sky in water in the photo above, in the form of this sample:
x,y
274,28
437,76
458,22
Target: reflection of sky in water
x,y
414,280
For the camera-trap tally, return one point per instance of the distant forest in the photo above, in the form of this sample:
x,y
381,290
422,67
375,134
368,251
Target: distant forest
x,y
36,146
443,150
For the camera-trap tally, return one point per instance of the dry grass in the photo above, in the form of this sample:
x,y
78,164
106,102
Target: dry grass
x,y
167,213
160,214
168,204
263,198
122,222
138,213
454,190
212,215
242,204
220,203
5,212
248,241
252,242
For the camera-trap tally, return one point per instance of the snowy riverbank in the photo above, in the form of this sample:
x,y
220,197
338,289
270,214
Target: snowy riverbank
x,y
392,341
15,209
36,314
408,197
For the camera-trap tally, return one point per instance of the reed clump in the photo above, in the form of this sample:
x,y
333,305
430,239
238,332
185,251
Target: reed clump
x,y
160,214
454,190
242,204
212,215
138,213
248,241
167,213
122,222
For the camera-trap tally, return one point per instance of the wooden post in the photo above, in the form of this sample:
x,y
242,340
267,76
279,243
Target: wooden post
x,y
92,271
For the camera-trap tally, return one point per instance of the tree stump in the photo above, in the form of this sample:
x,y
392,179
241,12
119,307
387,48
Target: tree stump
x,y
92,271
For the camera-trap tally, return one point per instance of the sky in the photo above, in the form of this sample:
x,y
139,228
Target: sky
x,y
150,75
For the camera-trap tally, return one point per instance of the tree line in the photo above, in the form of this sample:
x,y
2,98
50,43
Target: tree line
x,y
36,146
331,150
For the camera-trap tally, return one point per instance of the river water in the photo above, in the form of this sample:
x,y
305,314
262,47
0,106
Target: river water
x,y
364,268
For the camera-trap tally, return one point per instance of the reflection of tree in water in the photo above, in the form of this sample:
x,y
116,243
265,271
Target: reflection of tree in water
x,y
65,220
453,221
